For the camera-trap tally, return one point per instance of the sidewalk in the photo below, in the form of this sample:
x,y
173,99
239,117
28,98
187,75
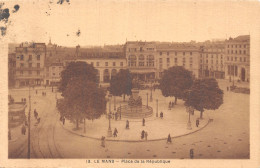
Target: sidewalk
x,y
173,123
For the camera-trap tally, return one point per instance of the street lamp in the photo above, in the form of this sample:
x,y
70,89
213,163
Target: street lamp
x,y
114,103
147,99
156,107
109,131
189,110
151,95
29,126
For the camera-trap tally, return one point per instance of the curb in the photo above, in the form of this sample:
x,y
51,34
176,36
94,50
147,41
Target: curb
x,y
134,141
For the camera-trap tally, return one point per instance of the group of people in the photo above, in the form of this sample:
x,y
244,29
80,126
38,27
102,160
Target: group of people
x,y
115,115
171,105
23,99
144,135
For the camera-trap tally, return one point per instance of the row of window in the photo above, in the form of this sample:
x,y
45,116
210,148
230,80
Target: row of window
x,y
29,72
30,65
140,49
212,67
212,56
236,52
21,57
211,61
236,46
236,59
168,53
106,64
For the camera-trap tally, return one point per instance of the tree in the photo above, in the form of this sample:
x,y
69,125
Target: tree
x,y
175,81
204,94
77,69
82,99
121,84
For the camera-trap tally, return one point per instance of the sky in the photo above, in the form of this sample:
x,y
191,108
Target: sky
x,y
114,22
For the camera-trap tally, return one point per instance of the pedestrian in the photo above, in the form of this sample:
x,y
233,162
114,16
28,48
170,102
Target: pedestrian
x,y
146,135
143,122
42,93
103,141
227,88
22,99
170,105
38,120
115,132
34,112
63,120
142,134
197,122
191,153
23,130
127,124
161,115
169,139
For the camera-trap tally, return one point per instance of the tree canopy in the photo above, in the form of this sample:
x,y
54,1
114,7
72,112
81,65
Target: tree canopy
x,y
175,81
121,84
204,94
77,69
82,99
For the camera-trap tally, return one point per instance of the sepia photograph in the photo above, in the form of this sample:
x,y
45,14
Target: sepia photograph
x,y
129,82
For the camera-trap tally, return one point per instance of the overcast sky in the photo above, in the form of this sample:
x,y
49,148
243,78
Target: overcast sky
x,y
113,22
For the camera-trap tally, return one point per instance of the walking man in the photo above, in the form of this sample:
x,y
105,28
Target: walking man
x,y
169,139
143,122
197,122
115,132
63,120
103,141
23,129
146,135
127,124
142,134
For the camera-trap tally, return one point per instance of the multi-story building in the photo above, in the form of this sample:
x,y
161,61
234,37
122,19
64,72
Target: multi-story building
x,y
11,69
30,64
53,73
141,59
177,54
237,53
107,61
212,58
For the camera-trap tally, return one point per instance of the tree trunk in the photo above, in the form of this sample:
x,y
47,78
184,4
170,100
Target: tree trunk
x,y
201,113
175,100
77,124
124,97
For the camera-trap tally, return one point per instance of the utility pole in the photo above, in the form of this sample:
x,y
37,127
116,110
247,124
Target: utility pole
x,y
29,126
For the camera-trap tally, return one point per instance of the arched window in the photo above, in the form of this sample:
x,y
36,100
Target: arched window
x,y
150,60
97,75
141,60
106,76
132,60
113,73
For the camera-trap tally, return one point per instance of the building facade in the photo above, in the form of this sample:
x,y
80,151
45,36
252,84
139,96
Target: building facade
x,y
237,61
177,54
29,68
141,59
212,60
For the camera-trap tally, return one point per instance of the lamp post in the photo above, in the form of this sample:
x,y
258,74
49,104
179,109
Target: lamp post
x,y
151,95
109,131
29,126
114,103
189,109
147,99
156,107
